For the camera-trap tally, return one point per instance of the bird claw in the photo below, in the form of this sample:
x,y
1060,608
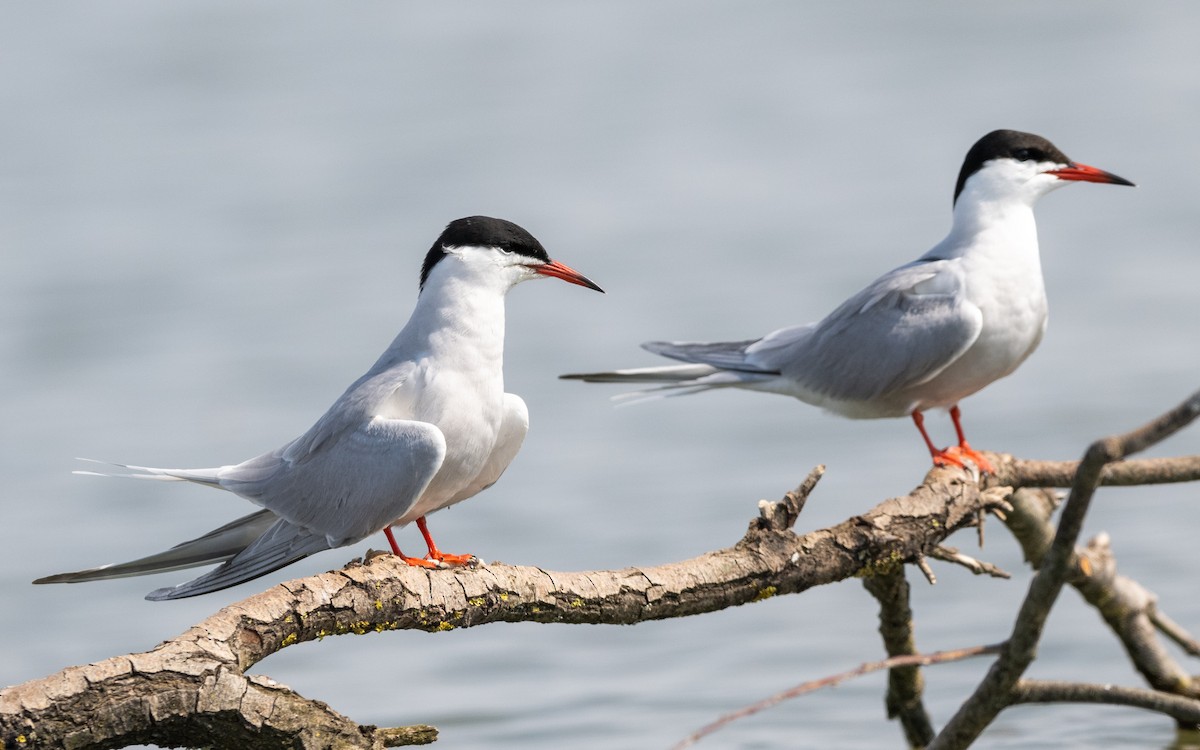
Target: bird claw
x,y
420,562
440,561
960,456
444,560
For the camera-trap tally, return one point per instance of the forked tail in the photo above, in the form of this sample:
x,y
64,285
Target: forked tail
x,y
719,365
208,477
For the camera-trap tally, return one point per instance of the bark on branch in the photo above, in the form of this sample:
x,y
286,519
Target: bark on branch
x,y
158,696
194,690
1018,472
996,691
905,684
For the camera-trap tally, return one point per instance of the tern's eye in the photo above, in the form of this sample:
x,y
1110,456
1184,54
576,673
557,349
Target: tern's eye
x,y
1023,154
506,250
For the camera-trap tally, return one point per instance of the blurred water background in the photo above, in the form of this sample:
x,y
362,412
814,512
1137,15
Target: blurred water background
x,y
213,213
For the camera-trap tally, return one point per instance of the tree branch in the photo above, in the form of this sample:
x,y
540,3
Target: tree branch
x,y
1185,711
978,567
193,690
1173,630
994,692
1129,609
782,514
1019,472
905,684
894,662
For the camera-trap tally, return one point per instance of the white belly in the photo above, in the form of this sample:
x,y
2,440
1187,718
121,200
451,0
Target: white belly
x,y
1010,334
469,414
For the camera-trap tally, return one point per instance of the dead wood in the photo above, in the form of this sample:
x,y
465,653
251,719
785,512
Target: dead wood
x,y
1103,460
193,690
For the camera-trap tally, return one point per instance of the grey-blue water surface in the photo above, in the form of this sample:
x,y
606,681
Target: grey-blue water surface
x,y
213,214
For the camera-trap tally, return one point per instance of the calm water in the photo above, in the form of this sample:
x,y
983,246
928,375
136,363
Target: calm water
x,y
213,217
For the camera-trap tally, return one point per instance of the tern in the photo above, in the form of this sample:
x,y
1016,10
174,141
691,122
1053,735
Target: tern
x,y
922,336
428,426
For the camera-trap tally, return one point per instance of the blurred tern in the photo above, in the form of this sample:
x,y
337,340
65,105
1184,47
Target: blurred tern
x,y
429,425
922,336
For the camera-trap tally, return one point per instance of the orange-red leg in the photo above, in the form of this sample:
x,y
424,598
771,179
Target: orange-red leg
x,y
956,455
414,561
956,418
939,455
435,553
966,450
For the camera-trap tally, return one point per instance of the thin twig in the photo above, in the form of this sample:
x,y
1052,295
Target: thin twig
x,y
912,660
782,514
1185,711
923,566
1033,473
978,567
1174,631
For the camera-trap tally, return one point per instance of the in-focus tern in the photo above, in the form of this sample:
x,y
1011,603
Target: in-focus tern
x,y
429,425
922,336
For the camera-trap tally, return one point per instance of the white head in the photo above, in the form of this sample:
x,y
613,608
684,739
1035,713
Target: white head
x,y
494,252
1008,165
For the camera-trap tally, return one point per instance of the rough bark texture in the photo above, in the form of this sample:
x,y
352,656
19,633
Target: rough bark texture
x,y
905,684
193,689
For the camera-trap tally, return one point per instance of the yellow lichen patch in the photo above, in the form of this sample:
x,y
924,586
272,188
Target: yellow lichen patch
x,y
576,602
477,601
880,567
289,639
504,597
444,626
378,605
766,593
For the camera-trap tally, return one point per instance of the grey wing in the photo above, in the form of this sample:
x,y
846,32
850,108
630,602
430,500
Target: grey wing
x,y
354,483
900,331
215,546
281,544
375,392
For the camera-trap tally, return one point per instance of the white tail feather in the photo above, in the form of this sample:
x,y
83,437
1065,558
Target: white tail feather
x,y
199,476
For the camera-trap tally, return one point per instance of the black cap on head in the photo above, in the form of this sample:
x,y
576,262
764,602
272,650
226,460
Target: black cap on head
x,y
483,231
1011,144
